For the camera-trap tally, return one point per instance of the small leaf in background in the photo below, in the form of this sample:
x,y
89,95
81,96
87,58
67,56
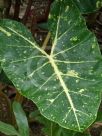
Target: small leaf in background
x,y
88,6
99,114
99,117
8,129
21,119
0,69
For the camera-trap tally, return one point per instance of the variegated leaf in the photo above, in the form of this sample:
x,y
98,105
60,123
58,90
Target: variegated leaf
x,y
65,85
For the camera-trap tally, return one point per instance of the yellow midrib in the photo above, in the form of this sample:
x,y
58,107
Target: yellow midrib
x,y
65,89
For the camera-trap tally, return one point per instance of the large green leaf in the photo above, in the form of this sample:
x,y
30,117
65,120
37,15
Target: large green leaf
x,y
88,6
65,85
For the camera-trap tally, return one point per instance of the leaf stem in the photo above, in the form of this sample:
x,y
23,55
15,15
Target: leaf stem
x,y
46,41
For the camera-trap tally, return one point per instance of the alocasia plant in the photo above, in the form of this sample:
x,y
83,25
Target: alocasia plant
x,y
65,85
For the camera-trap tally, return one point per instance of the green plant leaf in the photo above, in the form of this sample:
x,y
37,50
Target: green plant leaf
x,y
52,129
8,129
88,6
21,119
65,85
99,114
0,68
